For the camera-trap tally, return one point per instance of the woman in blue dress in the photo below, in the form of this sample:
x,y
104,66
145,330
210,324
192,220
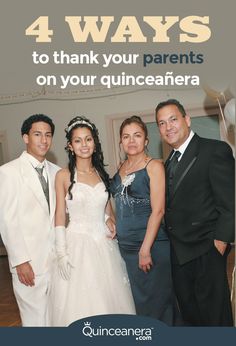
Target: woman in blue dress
x,y
139,192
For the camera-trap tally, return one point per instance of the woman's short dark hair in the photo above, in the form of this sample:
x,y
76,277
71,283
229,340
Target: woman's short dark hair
x,y
137,120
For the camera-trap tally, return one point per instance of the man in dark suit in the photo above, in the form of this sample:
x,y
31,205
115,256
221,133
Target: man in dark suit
x,y
199,217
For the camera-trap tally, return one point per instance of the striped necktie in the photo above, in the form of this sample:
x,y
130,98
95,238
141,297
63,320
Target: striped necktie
x,y
43,183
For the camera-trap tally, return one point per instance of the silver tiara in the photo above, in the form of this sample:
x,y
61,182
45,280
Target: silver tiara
x,y
78,122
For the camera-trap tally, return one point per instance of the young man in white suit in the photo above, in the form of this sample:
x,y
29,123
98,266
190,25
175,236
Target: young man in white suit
x,y
26,224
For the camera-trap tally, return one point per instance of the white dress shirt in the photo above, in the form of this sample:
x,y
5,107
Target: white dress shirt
x,y
37,164
183,146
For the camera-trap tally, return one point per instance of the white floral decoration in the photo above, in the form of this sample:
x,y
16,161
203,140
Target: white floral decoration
x,y
128,179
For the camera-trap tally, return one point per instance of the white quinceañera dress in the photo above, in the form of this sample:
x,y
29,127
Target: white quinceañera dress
x,y
99,283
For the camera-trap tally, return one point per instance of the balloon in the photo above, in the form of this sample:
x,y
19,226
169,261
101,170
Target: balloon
x,y
229,111
212,92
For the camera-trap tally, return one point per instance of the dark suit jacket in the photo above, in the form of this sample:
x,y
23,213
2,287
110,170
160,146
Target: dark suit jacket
x,y
201,206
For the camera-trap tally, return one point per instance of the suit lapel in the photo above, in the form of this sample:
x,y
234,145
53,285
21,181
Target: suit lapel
x,y
31,179
187,161
168,159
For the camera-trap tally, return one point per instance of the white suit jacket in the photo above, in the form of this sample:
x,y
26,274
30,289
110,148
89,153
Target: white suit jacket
x,y
26,227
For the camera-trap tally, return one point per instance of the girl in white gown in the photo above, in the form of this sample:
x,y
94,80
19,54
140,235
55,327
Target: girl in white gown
x,y
90,277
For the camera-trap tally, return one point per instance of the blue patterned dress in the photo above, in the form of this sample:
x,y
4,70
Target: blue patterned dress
x,y
153,291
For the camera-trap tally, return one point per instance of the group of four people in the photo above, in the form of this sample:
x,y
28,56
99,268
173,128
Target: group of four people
x,y
163,255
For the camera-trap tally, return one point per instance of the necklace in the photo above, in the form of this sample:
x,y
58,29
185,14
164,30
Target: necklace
x,y
134,165
90,172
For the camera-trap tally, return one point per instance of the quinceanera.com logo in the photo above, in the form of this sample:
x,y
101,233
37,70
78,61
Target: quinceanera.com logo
x,y
142,334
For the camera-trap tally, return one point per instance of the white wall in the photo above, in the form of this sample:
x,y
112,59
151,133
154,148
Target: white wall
x,y
99,110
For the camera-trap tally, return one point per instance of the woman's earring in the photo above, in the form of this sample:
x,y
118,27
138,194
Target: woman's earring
x,y
72,153
146,146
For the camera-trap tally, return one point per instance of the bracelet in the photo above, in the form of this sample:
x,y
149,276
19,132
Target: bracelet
x,y
146,256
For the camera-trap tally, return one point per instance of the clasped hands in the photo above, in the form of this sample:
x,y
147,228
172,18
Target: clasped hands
x,y
111,226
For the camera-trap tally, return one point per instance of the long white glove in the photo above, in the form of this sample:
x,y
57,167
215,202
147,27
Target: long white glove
x,y
63,260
